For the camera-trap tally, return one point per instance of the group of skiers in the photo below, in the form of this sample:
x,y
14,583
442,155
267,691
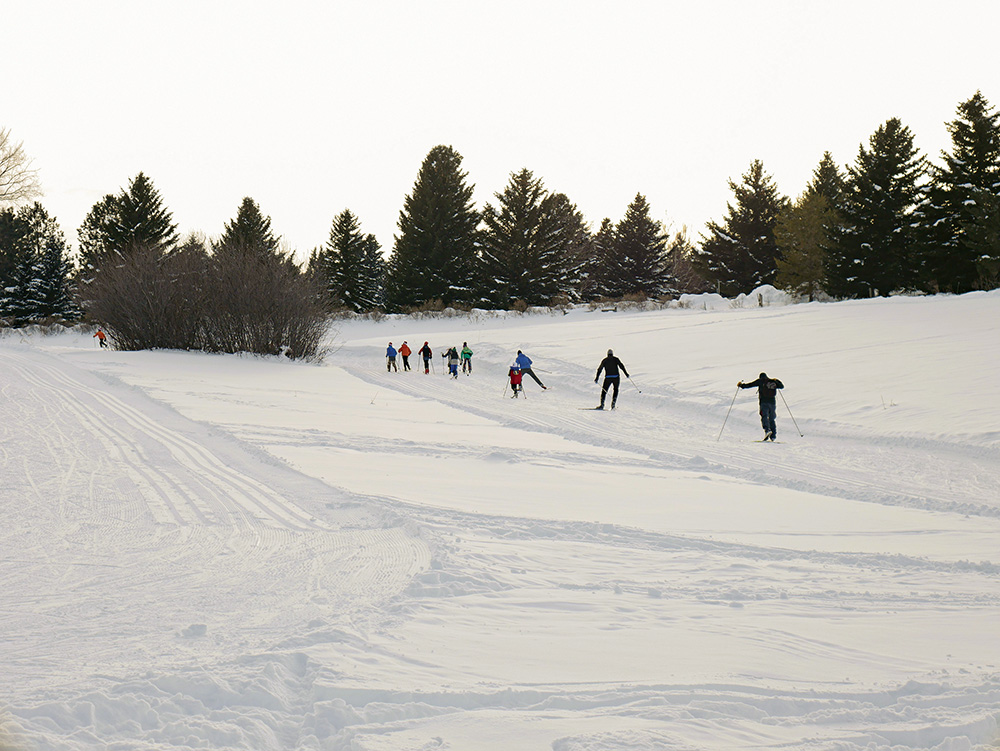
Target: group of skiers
x,y
452,358
611,366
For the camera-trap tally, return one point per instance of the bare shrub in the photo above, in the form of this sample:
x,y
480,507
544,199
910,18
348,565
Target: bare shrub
x,y
237,301
260,302
427,308
147,299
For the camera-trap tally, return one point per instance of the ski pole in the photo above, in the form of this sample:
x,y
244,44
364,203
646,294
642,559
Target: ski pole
x,y
633,383
504,389
727,413
801,435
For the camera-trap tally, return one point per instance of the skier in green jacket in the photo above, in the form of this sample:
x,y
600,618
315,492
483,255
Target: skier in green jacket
x,y
466,359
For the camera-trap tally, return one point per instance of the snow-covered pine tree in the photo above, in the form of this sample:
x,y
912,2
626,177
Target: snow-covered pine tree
x,y
10,235
952,209
37,285
52,274
19,303
435,256
873,251
741,254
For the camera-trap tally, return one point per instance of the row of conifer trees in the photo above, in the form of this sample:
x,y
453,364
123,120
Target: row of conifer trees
x,y
891,221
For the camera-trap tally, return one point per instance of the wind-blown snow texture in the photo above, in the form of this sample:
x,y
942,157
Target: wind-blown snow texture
x,y
236,553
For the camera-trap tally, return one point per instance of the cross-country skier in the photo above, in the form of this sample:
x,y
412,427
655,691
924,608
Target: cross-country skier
x,y
466,359
610,365
405,353
390,359
452,355
524,365
425,353
101,338
767,392
515,380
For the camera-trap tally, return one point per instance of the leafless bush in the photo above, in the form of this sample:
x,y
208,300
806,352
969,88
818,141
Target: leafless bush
x,y
147,299
243,301
260,302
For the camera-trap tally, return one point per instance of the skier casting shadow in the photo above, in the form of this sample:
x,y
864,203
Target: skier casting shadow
x,y
610,365
767,391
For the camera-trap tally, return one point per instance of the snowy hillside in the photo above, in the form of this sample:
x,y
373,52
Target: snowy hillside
x,y
234,553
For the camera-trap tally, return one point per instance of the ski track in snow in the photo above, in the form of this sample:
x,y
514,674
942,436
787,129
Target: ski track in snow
x,y
877,470
309,608
226,546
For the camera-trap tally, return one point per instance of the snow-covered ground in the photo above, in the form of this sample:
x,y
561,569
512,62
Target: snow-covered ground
x,y
235,553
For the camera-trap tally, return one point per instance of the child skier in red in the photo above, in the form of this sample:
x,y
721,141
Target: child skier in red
x,y
515,379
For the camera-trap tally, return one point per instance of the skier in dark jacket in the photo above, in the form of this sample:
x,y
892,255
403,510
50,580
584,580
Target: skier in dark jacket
x,y
425,353
610,365
452,357
767,392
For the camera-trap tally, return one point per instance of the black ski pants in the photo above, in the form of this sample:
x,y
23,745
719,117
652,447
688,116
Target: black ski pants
x,y
608,382
530,372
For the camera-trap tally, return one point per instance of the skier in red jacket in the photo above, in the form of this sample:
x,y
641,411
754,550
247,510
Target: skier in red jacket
x,y
515,380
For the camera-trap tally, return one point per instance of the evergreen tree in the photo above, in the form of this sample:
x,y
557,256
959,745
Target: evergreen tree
x,y
874,248
371,291
828,181
682,270
345,273
250,231
602,270
573,237
741,254
969,177
37,283
120,224
639,252
982,234
435,254
802,237
143,220
527,242
95,233
11,231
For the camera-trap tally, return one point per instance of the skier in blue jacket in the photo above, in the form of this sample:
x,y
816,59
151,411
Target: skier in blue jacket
x,y
390,358
524,363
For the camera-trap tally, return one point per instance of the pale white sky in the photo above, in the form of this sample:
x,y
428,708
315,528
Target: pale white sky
x,y
314,107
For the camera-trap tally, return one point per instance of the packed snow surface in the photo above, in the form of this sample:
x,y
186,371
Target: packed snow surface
x,y
223,552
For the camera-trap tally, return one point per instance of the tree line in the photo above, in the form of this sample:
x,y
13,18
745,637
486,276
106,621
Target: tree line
x,y
890,222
